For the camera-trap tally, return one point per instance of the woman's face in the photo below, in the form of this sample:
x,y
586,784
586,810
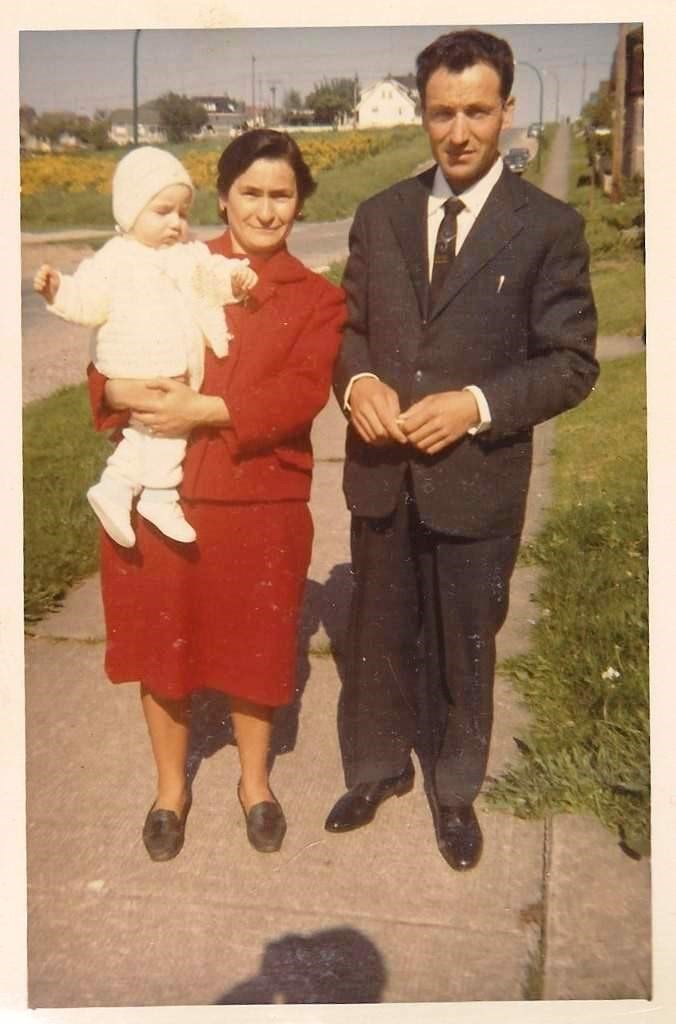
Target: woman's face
x,y
261,205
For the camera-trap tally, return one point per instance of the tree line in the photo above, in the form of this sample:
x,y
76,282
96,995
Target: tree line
x,y
181,117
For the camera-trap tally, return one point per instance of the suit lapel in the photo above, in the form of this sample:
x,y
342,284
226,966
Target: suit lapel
x,y
408,215
495,226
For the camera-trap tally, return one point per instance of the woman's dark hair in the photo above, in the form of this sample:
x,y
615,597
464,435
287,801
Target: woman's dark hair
x,y
456,51
263,144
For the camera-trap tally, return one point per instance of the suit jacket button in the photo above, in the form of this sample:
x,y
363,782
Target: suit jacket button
x,y
418,375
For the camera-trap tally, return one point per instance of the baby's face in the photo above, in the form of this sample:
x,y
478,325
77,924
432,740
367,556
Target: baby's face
x,y
164,221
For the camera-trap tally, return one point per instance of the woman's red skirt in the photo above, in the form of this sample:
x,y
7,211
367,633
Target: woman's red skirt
x,y
221,613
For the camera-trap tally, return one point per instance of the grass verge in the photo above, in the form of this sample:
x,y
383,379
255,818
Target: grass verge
x,y
62,457
341,189
585,679
617,268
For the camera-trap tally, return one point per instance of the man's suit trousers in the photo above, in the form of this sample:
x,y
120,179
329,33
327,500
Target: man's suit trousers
x,y
421,651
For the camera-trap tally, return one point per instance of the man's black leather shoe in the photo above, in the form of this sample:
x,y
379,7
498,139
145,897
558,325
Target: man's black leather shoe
x,y
458,836
358,806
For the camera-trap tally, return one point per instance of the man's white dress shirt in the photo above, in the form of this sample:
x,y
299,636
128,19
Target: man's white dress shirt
x,y
473,199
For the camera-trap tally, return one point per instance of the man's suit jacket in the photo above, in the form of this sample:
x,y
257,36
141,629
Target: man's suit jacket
x,y
516,317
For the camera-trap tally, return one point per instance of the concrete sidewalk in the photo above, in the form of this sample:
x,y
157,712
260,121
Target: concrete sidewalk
x,y
554,910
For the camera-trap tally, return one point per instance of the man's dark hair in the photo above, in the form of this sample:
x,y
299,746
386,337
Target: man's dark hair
x,y
263,144
456,51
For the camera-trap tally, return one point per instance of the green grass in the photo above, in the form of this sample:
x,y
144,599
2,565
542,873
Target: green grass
x,y
619,291
62,456
56,210
617,268
585,679
335,272
339,189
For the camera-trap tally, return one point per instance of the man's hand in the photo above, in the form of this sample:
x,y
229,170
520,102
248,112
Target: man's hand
x,y
46,282
436,421
374,408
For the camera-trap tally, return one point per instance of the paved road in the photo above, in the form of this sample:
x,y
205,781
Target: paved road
x,y
54,353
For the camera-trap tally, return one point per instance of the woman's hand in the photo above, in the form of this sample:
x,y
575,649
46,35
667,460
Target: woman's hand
x,y
172,409
128,393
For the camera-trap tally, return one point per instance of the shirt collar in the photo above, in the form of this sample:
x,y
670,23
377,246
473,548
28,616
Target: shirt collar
x,y
473,197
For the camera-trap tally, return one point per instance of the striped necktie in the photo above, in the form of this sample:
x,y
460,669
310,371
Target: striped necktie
x,y
444,249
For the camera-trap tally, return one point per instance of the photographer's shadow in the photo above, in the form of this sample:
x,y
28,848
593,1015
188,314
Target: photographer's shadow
x,y
325,605
338,965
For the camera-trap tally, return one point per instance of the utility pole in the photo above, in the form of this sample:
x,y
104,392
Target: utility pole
x,y
584,84
253,87
137,33
558,86
273,90
618,113
525,64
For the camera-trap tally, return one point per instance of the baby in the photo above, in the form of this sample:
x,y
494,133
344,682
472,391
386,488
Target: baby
x,y
157,300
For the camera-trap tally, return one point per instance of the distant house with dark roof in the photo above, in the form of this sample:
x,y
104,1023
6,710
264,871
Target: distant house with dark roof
x,y
149,129
388,102
223,113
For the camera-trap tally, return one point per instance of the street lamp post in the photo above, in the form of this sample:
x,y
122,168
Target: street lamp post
x,y
525,64
137,33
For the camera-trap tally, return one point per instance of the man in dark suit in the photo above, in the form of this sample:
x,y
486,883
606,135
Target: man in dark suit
x,y
471,319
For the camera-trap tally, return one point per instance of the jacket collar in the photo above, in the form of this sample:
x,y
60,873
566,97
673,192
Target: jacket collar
x,y
496,225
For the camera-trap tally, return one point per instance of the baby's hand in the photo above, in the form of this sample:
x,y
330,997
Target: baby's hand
x,y
46,282
243,280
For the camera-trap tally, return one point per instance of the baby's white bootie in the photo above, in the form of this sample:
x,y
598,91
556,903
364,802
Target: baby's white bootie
x,y
161,508
111,501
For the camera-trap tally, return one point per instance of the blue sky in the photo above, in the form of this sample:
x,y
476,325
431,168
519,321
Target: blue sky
x,y
85,70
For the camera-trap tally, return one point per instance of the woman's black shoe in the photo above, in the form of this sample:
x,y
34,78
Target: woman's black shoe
x,y
164,832
265,825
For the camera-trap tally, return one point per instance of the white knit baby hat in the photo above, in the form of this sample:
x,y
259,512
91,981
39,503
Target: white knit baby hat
x,y
138,178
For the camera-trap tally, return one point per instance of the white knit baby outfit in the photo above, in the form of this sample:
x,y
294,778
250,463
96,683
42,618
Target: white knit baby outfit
x,y
155,309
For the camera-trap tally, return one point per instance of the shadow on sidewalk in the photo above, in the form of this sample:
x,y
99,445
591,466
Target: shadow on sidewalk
x,y
339,965
324,605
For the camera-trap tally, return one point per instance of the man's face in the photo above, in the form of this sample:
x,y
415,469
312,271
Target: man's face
x,y
463,117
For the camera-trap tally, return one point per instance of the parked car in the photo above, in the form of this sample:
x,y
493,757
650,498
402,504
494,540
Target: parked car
x,y
517,160
535,130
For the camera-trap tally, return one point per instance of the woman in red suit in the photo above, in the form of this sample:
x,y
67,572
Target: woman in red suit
x,y
222,613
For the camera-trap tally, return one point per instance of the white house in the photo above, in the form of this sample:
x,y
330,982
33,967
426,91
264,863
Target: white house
x,y
387,103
